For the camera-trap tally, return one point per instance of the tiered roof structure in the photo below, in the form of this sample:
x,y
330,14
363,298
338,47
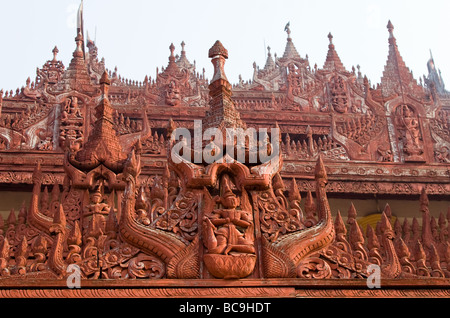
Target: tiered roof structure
x,y
85,159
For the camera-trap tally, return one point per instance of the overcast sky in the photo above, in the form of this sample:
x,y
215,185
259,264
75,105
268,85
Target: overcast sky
x,y
135,35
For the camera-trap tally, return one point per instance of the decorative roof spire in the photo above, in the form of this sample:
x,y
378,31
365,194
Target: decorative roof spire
x,y
55,52
290,52
183,62
77,76
103,145
333,62
390,28
222,112
434,76
397,78
288,30
104,109
172,49
172,65
218,54
80,26
79,50
270,64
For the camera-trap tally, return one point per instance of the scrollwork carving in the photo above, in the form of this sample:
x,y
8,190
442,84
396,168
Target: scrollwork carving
x,y
314,268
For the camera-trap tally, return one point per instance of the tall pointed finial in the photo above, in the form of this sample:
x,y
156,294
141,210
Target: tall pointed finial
x,y
288,30
290,52
172,66
103,109
270,64
390,28
80,17
222,112
80,26
330,37
172,49
105,82
384,223
333,62
79,50
218,54
55,52
320,172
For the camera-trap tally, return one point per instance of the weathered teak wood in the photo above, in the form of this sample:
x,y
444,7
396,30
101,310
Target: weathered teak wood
x,y
117,211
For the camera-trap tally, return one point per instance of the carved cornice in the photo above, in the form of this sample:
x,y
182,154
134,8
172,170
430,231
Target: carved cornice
x,y
286,288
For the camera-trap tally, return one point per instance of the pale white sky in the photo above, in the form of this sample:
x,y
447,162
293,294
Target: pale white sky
x,y
135,35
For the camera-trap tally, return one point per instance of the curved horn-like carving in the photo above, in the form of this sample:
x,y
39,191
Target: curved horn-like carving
x,y
198,176
128,141
163,244
302,243
58,228
391,267
34,216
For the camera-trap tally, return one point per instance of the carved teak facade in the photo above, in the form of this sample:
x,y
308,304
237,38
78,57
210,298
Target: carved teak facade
x,y
90,152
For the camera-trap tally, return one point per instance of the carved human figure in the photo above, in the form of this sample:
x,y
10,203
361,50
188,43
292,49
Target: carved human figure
x,y
96,205
173,94
409,124
228,229
294,80
71,109
338,94
75,110
65,112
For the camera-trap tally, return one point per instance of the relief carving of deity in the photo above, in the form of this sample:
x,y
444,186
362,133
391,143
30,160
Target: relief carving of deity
x,y
339,95
228,235
173,97
408,126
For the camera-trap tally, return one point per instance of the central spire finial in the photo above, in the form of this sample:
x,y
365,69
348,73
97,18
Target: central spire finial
x,y
288,30
330,37
218,54
390,28
55,52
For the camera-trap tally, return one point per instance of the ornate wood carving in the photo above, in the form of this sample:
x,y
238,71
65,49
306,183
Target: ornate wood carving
x,y
109,197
